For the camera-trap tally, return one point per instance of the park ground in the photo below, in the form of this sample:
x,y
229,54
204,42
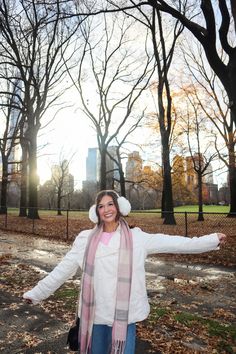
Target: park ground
x,y
192,300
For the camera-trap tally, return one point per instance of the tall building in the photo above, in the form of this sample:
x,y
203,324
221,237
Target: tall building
x,y
134,167
93,165
209,175
185,175
190,174
179,169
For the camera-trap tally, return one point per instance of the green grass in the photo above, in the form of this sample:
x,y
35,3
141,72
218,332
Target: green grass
x,y
72,213
67,297
182,209
194,208
157,313
225,334
214,327
206,208
66,293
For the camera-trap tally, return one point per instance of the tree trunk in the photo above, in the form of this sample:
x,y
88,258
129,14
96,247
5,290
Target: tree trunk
x,y
163,201
121,175
59,202
33,177
200,204
3,206
103,183
229,83
226,74
169,218
122,182
232,180
23,183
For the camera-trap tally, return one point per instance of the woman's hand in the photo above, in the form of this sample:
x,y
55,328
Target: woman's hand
x,y
222,238
29,301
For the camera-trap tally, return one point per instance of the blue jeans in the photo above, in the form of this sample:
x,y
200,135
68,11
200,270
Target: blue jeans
x,y
101,339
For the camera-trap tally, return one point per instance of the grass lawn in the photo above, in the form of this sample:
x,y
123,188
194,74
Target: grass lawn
x,y
206,208
183,208
194,208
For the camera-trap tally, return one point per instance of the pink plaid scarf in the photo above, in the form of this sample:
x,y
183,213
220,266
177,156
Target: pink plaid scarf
x,y
120,323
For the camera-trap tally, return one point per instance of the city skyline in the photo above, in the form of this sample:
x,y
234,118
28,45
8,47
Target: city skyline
x,y
91,171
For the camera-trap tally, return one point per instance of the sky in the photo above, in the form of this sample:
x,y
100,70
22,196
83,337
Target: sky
x,y
70,134
68,137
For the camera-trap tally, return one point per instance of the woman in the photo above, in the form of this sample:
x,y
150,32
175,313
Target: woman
x,y
113,292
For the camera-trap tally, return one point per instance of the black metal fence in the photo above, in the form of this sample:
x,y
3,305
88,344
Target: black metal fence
x,y
71,222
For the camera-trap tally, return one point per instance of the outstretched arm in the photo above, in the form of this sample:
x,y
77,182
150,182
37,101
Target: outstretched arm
x,y
161,243
62,272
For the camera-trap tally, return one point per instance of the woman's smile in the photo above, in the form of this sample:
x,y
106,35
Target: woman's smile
x,y
107,211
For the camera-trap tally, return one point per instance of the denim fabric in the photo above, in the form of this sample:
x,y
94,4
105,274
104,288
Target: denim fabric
x,y
101,339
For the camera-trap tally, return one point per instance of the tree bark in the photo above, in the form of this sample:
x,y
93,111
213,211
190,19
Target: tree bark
x,y
200,200
24,178
103,176
122,182
59,197
232,180
3,206
169,218
33,177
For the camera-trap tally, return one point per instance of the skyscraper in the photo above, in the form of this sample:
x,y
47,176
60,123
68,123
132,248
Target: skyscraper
x,y
92,165
134,167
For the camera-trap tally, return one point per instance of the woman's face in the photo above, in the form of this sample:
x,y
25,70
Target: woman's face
x,y
107,210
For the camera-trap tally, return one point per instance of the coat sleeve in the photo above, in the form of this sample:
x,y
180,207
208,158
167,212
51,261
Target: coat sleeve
x,y
62,272
161,243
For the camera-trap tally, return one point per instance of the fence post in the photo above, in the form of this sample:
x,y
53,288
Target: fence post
x,y
186,223
33,225
5,220
67,225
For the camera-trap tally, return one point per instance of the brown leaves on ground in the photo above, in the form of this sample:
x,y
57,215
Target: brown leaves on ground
x,y
188,317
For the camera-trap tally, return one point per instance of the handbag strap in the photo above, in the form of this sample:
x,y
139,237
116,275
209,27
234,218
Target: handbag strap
x,y
77,307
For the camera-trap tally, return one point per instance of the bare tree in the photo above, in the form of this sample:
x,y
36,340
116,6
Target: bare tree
x,y
201,155
120,154
47,195
33,38
11,115
115,81
201,20
62,181
213,104
164,42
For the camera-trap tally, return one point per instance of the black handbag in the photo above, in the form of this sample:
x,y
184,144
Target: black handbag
x,y
73,337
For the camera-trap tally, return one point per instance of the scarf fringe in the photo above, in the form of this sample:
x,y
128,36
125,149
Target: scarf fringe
x,y
118,347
